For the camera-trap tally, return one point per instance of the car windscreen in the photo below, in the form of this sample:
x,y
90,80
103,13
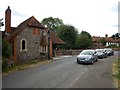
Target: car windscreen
x,y
100,50
86,53
107,50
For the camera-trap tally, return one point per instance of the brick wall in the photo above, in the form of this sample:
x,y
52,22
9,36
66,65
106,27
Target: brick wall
x,y
67,52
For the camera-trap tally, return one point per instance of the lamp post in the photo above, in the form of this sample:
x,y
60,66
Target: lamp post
x,y
48,44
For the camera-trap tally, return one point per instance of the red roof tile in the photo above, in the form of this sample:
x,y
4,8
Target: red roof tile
x,y
95,38
56,39
31,22
109,39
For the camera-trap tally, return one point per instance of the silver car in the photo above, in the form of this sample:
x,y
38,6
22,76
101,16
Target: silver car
x,y
109,51
101,53
87,56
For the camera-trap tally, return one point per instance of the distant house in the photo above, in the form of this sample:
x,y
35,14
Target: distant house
x,y
29,39
108,40
96,42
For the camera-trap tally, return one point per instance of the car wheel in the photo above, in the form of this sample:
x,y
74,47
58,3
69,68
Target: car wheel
x,y
102,57
96,60
78,62
92,62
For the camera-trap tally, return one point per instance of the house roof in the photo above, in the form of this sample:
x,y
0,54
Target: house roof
x,y
109,39
56,39
13,29
95,38
2,33
30,22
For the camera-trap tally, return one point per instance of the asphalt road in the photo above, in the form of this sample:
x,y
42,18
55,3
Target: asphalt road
x,y
64,73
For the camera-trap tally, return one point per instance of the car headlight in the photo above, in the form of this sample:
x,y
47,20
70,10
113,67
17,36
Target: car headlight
x,y
89,58
108,51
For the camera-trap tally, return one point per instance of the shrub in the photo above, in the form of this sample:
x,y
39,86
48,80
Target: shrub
x,y
6,53
4,64
113,46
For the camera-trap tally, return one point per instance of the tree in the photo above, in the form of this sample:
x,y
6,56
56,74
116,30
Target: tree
x,y
102,41
52,23
6,52
116,36
6,49
84,40
68,34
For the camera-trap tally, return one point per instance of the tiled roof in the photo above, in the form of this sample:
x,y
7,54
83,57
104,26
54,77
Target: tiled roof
x,y
56,39
119,40
31,22
3,34
95,38
109,39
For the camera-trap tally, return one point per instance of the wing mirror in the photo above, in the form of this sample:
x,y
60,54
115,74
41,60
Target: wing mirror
x,y
95,53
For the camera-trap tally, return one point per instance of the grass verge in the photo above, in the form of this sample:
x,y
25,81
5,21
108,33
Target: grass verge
x,y
24,66
116,73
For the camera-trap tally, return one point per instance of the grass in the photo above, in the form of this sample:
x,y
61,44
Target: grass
x,y
116,73
15,68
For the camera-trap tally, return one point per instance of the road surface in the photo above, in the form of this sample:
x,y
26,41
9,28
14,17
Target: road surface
x,y
64,73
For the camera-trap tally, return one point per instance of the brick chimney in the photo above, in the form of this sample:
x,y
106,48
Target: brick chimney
x,y
8,20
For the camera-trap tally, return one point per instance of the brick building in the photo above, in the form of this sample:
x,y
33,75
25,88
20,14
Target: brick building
x,y
29,39
97,44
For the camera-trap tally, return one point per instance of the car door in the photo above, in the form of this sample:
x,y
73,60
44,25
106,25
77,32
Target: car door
x,y
95,56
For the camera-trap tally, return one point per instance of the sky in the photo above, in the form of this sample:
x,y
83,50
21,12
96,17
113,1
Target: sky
x,y
98,17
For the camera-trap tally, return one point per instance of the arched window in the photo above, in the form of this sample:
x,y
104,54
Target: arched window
x,y
23,44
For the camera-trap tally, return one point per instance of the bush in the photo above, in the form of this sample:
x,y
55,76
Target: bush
x,y
6,49
113,46
6,53
4,65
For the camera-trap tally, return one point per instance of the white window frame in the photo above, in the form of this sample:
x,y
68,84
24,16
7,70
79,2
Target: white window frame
x,y
43,49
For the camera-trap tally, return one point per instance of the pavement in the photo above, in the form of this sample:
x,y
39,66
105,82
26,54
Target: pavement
x,y
61,57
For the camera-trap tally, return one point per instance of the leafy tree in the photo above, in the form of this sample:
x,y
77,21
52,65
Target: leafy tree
x,y
102,41
6,52
6,49
68,34
84,40
116,36
113,46
86,33
52,23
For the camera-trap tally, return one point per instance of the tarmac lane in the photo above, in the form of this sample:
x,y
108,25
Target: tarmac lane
x,y
64,73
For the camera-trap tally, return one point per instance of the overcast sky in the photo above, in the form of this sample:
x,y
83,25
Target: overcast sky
x,y
98,17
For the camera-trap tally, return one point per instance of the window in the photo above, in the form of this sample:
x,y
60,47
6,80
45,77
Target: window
x,y
43,49
33,31
36,31
23,45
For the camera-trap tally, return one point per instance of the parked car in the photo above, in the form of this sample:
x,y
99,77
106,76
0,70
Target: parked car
x,y
87,56
101,53
109,51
